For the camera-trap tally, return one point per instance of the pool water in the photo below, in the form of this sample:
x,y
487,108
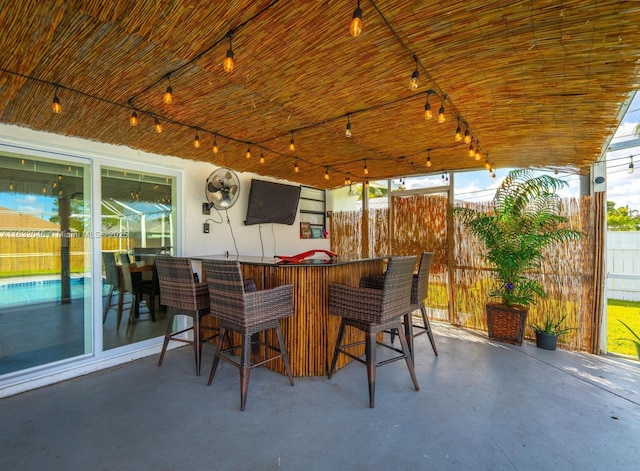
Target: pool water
x,y
37,291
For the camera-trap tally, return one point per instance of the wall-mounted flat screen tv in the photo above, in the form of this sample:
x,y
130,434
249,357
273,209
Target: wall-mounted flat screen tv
x,y
271,202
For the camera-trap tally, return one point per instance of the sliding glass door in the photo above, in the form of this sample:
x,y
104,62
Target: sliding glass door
x,y
45,288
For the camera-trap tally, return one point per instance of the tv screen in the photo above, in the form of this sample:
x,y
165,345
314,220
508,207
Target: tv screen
x,y
271,202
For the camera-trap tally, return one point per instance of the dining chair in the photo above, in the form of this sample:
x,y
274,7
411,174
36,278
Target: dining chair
x,y
248,313
372,311
112,279
419,291
183,297
127,287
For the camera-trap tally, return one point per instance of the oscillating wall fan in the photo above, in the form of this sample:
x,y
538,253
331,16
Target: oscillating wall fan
x,y
222,188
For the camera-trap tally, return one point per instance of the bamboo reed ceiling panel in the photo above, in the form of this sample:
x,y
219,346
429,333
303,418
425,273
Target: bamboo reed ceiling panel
x,y
537,83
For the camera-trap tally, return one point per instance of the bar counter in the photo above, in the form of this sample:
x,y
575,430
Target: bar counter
x,y
310,334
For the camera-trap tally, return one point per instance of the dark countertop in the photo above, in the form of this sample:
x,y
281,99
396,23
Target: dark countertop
x,y
274,261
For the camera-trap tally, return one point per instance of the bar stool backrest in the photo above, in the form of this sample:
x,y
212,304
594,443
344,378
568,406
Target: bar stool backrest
x,y
177,286
420,285
397,287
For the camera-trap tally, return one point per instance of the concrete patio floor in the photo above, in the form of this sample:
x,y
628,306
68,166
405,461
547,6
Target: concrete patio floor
x,y
481,406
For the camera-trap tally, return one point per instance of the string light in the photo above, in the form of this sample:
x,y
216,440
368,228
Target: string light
x,y
292,145
441,116
295,167
355,28
215,144
56,105
347,131
158,126
428,158
493,174
458,136
168,94
133,119
261,156
487,165
248,154
477,155
365,169
467,136
228,61
427,108
326,173
366,183
472,152
413,84
11,186
631,166
196,141
44,189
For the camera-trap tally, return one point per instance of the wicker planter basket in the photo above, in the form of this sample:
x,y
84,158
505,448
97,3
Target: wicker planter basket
x,y
506,324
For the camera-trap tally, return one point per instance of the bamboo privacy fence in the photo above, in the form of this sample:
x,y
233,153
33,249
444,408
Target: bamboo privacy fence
x,y
569,273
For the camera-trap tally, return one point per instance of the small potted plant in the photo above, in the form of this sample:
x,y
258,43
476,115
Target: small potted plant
x,y
524,220
636,340
547,334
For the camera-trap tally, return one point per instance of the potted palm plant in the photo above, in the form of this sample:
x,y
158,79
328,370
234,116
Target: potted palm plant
x,y
547,333
523,221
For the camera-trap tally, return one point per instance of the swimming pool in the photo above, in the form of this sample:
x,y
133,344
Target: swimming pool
x,y
36,291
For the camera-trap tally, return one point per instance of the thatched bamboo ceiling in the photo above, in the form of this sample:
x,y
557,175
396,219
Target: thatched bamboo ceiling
x,y
539,82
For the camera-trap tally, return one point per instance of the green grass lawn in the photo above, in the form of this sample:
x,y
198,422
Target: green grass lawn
x,y
629,312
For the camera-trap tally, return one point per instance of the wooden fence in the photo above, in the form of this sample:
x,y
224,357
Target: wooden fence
x,y
623,265
40,254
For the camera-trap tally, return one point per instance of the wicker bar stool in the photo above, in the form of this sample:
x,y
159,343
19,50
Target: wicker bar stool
x,y
183,296
372,311
247,313
419,290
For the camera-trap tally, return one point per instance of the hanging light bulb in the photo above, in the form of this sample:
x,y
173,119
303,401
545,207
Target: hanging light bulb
x,y
441,116
487,165
326,173
493,174
11,186
292,146
168,94
458,135
355,28
196,141
472,152
477,155
261,156
467,136
428,158
413,83
215,144
366,183
228,61
427,108
347,131
248,154
346,179
158,126
44,189
295,167
631,166
133,119
365,169
55,105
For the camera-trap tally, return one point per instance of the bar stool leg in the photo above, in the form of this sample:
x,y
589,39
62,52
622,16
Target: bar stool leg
x,y
216,358
167,336
407,357
336,351
285,355
427,325
370,353
245,369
